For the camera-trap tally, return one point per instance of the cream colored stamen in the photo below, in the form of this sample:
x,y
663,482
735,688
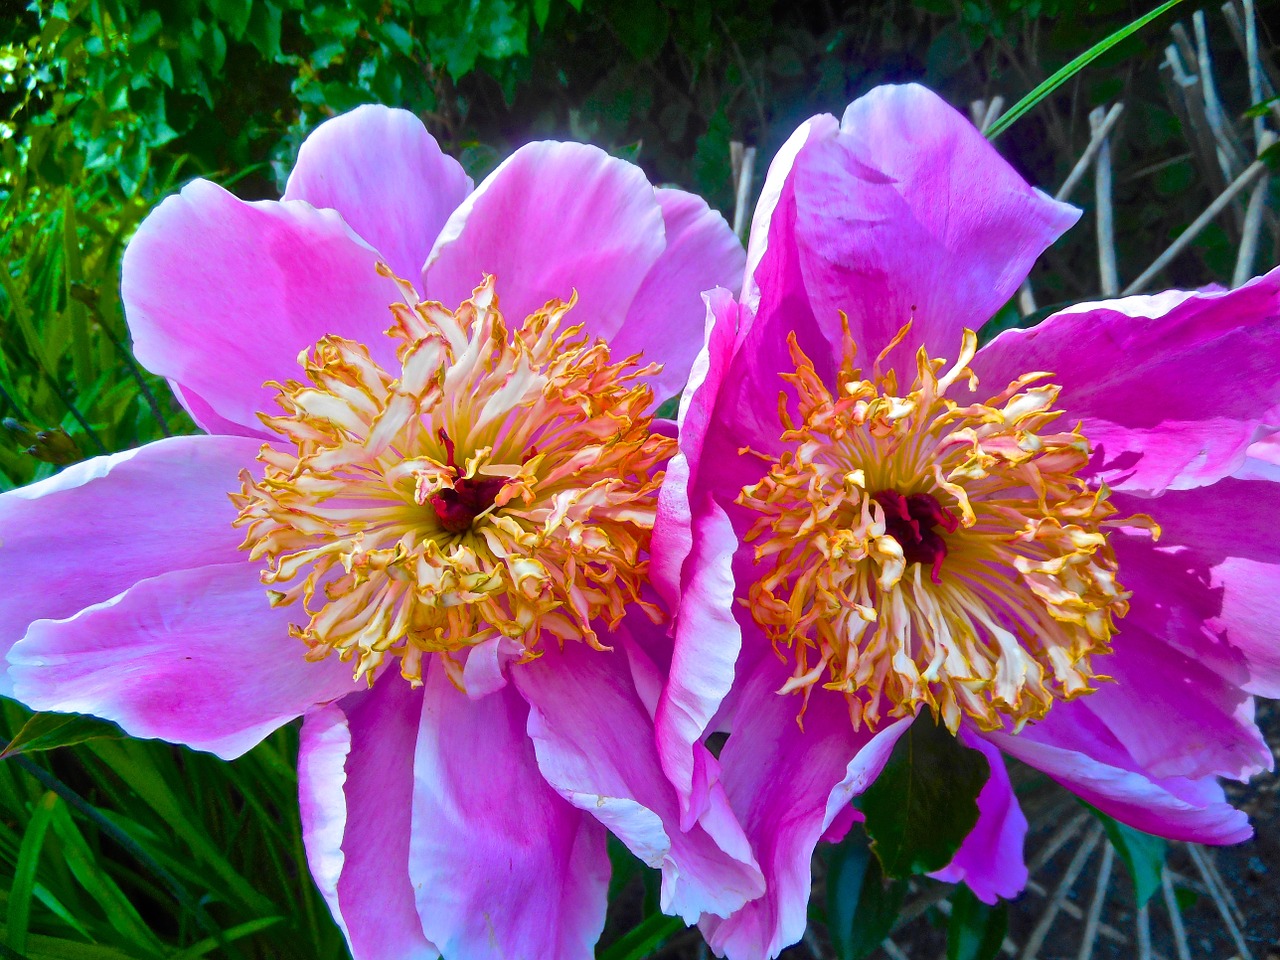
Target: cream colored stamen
x,y
1016,599
535,431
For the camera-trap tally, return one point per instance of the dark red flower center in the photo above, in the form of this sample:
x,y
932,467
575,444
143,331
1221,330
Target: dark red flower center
x,y
911,521
470,496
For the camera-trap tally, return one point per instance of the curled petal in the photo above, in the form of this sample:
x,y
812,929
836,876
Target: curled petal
x,y
502,867
194,656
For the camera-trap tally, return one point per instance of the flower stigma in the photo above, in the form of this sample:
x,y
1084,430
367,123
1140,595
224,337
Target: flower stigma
x,y
501,486
916,551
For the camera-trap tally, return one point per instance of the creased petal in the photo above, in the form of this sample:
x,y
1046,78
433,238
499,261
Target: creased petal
x,y
99,526
222,295
1208,586
673,528
355,784
1080,753
386,175
1174,715
701,253
594,742
787,786
1124,366
552,219
194,656
503,868
708,641
910,214
990,860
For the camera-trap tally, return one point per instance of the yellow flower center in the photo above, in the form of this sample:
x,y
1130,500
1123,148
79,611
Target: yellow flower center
x,y
502,485
915,551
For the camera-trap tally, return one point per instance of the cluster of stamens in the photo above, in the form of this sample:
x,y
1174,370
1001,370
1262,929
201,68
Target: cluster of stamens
x,y
502,485
916,551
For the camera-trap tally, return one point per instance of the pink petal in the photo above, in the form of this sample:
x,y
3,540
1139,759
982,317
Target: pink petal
x,y
594,742
501,865
99,526
771,231
194,656
1262,460
708,641
1124,366
552,219
222,295
386,175
1174,715
210,422
355,783
1208,587
1075,749
990,860
909,214
673,529
787,787
701,253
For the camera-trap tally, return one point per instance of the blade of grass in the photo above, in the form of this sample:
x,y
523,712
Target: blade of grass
x,y
120,913
18,916
1061,76
86,809
231,933
643,939
74,273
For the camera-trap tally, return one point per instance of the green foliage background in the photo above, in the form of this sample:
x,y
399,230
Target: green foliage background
x,y
111,848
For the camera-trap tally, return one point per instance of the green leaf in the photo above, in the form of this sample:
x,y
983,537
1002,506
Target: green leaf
x,y
1262,107
48,731
642,26
925,801
1059,77
18,915
862,904
642,939
1142,853
234,13
975,930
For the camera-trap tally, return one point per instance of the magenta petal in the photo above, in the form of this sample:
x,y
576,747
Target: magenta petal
x,y
909,214
1080,753
1124,366
355,785
1208,586
222,295
100,526
1174,715
990,860
708,641
501,865
701,253
386,175
552,219
594,742
788,786
194,656
673,529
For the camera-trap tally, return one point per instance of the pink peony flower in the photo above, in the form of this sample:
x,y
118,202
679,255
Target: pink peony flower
x,y
451,519
919,524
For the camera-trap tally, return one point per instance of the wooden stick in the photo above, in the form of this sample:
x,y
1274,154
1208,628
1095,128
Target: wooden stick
x,y
1096,139
1107,271
1251,172
1095,907
1036,940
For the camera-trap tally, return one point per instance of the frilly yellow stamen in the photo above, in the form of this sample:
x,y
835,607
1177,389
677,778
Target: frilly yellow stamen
x,y
536,428
1027,593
